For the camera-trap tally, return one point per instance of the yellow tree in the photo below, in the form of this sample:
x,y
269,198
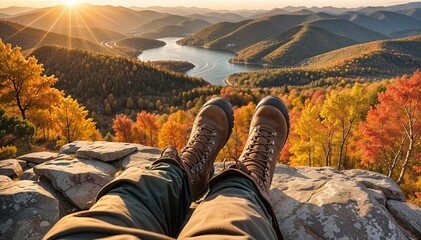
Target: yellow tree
x,y
22,84
71,121
307,145
343,110
176,130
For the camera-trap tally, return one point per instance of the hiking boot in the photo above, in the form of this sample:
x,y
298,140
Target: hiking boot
x,y
269,129
211,130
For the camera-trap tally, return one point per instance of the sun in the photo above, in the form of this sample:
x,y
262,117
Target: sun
x,y
71,3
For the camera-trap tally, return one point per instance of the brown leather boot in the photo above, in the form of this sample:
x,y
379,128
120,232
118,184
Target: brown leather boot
x,y
268,133
211,130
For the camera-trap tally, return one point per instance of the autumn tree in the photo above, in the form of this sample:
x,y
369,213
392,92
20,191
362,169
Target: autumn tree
x,y
72,122
307,147
393,127
123,128
22,84
146,129
344,109
176,130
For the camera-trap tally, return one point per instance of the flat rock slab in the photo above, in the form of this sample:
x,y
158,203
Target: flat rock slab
x,y
71,148
377,181
322,203
4,178
408,215
142,158
79,180
106,151
38,157
10,168
28,211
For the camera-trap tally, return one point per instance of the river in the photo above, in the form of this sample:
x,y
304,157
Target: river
x,y
211,65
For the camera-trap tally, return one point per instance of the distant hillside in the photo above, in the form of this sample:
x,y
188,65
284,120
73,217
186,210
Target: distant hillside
x,y
394,8
237,36
293,46
92,34
119,19
385,22
386,58
406,33
273,12
104,83
393,52
348,29
415,13
4,15
178,30
216,17
16,10
27,38
211,33
160,22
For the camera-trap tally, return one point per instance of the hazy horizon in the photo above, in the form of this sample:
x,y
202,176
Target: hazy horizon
x,y
215,4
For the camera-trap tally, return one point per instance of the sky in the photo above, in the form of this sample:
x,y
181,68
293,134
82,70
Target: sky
x,y
213,4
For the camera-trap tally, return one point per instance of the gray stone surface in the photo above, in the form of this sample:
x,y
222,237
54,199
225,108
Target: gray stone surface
x,y
322,203
408,215
79,180
38,157
106,151
10,168
377,181
142,158
27,210
29,175
72,147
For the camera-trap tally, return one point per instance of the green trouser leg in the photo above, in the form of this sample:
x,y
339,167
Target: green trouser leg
x,y
147,204
232,210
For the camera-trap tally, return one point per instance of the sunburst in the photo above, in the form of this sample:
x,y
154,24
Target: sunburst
x,y
71,3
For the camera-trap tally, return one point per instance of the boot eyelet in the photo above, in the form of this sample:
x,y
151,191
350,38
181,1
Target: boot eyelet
x,y
272,142
213,142
274,133
213,133
270,150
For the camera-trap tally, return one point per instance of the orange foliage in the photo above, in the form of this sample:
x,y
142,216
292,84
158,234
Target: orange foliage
x,y
122,126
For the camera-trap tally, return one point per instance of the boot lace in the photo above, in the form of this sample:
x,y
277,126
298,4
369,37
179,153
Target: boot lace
x,y
199,147
262,156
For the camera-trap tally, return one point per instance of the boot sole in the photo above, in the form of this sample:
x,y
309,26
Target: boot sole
x,y
277,103
227,108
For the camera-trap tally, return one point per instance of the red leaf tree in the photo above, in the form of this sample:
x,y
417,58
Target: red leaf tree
x,y
393,128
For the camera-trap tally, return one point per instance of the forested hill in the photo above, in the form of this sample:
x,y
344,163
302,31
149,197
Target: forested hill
x,y
385,58
105,83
